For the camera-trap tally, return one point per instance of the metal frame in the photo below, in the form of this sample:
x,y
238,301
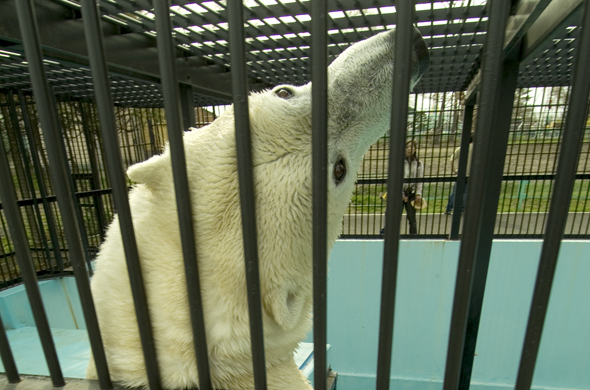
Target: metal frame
x,y
501,59
277,47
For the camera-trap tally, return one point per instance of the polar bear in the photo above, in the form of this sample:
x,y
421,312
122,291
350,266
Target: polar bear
x,y
359,93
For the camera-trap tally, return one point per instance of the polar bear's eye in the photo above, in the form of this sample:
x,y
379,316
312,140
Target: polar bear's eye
x,y
284,93
339,171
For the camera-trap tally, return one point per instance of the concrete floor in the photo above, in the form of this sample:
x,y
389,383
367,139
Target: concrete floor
x,y
73,350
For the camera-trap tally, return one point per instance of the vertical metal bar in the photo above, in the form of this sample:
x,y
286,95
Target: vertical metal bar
x,y
474,212
5,350
462,172
59,171
26,162
41,181
560,200
170,89
61,143
495,165
187,104
398,124
319,117
7,357
246,182
90,147
25,261
92,29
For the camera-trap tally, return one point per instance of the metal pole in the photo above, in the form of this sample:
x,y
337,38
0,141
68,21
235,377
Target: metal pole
x,y
27,168
246,183
41,182
25,261
187,105
7,357
462,172
319,117
495,166
170,89
560,200
91,148
474,212
399,115
59,170
92,29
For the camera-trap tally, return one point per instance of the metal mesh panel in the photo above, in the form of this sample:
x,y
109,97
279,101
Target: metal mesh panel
x,y
142,134
530,163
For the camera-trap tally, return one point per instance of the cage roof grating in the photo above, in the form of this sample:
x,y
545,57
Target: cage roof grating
x,y
278,45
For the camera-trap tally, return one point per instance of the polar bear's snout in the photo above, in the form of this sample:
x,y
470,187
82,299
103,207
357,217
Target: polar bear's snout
x,y
359,93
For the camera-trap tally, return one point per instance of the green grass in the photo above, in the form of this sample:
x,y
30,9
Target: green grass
x,y
535,197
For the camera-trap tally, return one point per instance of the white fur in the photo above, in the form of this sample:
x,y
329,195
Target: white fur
x,y
359,93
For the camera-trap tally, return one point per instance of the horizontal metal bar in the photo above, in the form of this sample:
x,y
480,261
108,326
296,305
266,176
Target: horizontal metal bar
x,y
442,179
450,179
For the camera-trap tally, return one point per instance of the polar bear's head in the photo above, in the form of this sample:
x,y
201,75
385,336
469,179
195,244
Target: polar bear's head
x,y
359,105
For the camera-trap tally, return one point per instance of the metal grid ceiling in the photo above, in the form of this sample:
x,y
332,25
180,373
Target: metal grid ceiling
x,y
278,41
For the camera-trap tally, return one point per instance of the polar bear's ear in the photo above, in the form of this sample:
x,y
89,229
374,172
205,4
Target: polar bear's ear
x,y
152,172
286,307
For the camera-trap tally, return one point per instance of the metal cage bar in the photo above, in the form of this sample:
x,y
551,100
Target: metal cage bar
x,y
23,253
482,154
120,195
493,175
461,183
235,18
29,181
319,144
176,123
7,357
58,162
573,134
399,114
25,261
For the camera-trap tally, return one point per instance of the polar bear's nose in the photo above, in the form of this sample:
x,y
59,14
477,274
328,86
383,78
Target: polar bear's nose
x,y
421,51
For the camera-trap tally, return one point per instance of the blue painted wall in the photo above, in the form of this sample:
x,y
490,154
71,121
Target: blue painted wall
x,y
61,301
427,272
426,279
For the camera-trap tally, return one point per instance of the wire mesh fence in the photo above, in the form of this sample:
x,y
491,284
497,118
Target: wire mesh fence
x,y
435,124
142,134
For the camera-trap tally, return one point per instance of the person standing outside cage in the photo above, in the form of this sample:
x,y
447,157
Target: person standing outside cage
x,y
454,160
412,191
